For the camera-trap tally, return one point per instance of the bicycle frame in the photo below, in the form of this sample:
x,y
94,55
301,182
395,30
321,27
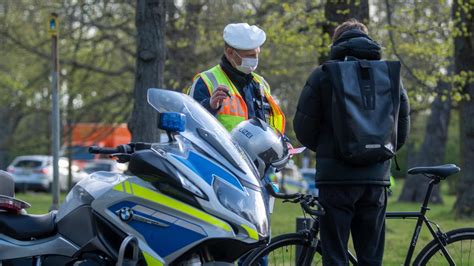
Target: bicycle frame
x,y
421,218
306,255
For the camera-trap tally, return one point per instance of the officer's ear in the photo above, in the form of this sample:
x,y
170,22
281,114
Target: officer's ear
x,y
228,50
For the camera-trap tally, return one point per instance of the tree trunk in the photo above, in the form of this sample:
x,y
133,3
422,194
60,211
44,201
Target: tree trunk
x,y
150,62
432,151
3,156
10,121
178,69
463,15
4,140
338,11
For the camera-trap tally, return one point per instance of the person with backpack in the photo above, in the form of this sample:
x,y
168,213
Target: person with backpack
x,y
354,113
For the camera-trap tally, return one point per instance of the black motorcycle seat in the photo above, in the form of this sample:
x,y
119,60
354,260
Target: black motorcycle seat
x,y
26,227
440,170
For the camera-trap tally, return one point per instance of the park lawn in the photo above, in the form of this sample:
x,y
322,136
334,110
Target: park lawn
x,y
399,232
40,202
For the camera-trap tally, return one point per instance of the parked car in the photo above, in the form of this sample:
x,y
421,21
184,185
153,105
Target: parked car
x,y
104,165
290,180
309,174
35,172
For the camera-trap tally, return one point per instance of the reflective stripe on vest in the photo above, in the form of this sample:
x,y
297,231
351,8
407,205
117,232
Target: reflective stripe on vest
x,y
234,109
277,118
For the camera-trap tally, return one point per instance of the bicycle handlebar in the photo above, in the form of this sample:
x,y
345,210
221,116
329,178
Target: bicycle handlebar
x,y
317,212
306,201
278,195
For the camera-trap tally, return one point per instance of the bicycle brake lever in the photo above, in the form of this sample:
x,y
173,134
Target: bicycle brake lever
x,y
292,200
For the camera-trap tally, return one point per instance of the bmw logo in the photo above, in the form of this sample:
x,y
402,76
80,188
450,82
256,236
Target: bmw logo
x,y
125,214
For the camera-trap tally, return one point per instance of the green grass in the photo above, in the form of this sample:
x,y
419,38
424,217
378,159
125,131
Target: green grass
x,y
399,232
40,202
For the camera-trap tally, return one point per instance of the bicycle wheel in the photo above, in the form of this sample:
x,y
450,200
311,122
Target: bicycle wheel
x,y
284,250
460,246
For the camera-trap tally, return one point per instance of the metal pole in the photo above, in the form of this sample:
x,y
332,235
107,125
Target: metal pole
x,y
53,30
69,151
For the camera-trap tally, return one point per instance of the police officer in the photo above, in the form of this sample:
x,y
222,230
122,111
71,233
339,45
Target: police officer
x,y
231,90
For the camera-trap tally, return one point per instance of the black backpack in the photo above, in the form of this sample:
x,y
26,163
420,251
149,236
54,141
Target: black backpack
x,y
365,107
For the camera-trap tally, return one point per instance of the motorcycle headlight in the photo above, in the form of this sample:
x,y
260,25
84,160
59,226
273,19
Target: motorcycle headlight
x,y
247,203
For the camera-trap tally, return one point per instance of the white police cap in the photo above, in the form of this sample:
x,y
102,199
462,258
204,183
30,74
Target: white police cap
x,y
242,36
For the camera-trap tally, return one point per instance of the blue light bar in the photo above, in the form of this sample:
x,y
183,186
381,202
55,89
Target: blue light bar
x,y
171,121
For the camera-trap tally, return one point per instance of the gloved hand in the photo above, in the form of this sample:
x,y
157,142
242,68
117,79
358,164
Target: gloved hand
x,y
218,96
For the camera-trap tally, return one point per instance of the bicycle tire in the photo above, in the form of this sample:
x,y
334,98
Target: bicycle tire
x,y
460,246
282,251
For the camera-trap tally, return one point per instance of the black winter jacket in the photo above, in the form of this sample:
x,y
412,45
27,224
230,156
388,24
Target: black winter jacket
x,y
313,125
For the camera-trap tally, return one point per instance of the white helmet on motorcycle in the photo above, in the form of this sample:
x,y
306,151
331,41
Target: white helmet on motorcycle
x,y
264,145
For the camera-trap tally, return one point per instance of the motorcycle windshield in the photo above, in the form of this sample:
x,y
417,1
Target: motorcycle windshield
x,y
204,130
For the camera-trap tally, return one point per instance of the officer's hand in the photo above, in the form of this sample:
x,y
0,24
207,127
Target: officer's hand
x,y
218,96
289,146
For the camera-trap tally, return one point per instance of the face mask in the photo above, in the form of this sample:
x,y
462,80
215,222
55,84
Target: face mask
x,y
248,64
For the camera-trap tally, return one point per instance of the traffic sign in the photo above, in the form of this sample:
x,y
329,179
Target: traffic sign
x,y
53,25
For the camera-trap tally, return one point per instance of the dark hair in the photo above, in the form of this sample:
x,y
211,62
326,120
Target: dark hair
x,y
349,24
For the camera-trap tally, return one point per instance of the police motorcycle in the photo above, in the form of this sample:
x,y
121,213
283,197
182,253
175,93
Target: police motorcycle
x,y
194,200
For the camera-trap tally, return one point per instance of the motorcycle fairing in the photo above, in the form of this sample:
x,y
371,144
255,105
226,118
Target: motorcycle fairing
x,y
146,200
88,189
152,260
214,205
207,169
142,192
164,237
154,196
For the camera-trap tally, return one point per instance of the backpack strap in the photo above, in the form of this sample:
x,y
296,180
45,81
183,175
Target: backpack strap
x,y
367,85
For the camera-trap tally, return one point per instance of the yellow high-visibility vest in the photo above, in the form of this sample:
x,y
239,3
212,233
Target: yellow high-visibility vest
x,y
234,109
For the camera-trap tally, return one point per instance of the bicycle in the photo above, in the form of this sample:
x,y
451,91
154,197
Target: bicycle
x,y
455,247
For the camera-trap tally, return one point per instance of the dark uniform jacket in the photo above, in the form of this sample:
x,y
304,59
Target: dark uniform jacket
x,y
313,125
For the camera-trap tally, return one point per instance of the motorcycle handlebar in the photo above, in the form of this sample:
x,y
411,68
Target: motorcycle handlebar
x,y
125,148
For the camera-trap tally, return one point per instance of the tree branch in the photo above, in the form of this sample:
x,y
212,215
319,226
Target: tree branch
x,y
394,49
118,72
